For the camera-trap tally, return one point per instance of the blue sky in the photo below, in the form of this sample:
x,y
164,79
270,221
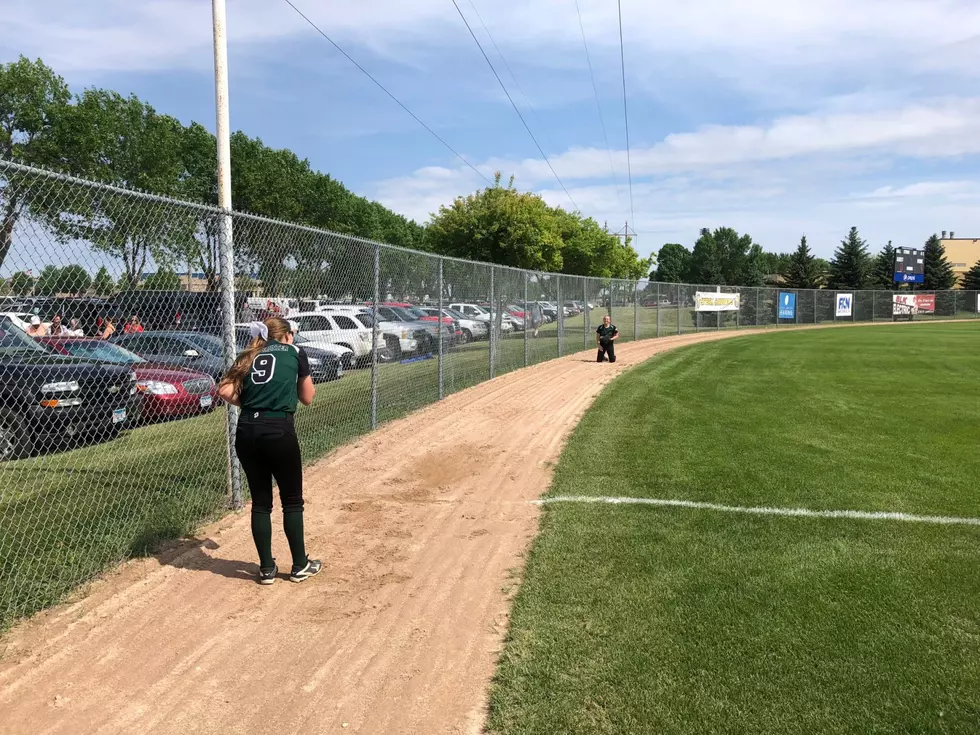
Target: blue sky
x,y
776,117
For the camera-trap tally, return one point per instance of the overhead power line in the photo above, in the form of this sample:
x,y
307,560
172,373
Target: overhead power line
x,y
510,71
511,99
384,89
626,114
598,106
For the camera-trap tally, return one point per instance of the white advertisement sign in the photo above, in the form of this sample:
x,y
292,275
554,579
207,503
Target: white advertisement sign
x,y
714,301
845,304
903,305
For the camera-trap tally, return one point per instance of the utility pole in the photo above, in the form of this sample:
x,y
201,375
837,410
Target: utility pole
x,y
226,252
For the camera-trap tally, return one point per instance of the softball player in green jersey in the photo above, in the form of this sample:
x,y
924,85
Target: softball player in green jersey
x,y
266,382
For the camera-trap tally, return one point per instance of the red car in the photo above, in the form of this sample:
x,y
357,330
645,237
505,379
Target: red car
x,y
165,392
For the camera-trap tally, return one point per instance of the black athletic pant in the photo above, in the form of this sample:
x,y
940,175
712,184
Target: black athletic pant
x,y
268,448
606,349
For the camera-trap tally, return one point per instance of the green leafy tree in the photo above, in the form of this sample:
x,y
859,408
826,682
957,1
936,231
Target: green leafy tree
x,y
803,271
673,264
32,98
48,281
725,258
883,269
499,225
939,275
971,279
851,266
123,141
103,284
163,280
22,284
74,280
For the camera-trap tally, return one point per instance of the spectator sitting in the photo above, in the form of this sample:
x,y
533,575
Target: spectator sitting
x,y
133,326
58,329
37,329
75,328
107,329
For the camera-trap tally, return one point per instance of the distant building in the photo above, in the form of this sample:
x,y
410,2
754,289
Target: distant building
x,y
961,252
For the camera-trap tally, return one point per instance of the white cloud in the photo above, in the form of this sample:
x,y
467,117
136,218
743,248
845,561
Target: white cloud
x,y
160,34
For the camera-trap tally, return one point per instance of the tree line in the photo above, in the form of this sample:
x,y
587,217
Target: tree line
x,y
726,258
103,136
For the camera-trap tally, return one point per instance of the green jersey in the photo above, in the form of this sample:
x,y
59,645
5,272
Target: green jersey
x,y
270,384
605,332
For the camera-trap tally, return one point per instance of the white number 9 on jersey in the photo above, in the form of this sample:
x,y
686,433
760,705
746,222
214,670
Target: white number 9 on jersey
x,y
263,368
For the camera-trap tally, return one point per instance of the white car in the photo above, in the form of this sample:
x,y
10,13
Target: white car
x,y
400,335
342,330
479,314
471,328
344,354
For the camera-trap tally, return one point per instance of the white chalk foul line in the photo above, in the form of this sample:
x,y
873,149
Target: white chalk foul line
x,y
800,512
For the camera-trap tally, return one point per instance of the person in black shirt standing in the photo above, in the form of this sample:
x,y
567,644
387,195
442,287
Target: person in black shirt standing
x,y
266,382
605,335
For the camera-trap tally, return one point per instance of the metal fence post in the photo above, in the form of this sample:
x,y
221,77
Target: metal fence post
x,y
678,310
227,277
636,314
493,329
442,385
561,317
658,310
757,291
874,305
374,336
528,323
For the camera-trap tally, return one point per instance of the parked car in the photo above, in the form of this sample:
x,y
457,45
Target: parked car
x,y
400,335
449,329
198,351
471,329
337,329
48,399
325,364
481,314
164,392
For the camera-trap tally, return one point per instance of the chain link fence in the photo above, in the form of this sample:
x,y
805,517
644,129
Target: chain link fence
x,y
115,324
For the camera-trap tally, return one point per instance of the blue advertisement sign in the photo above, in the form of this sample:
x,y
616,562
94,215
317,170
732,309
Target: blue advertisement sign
x,y
910,278
787,305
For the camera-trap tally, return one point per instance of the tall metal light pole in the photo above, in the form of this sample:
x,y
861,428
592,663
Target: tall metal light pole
x,y
226,255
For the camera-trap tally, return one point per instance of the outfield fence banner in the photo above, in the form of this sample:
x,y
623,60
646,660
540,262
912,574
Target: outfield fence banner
x,y
787,305
845,303
715,301
904,305
112,438
925,303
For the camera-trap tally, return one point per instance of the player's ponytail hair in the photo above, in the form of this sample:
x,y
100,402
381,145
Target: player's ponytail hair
x,y
272,329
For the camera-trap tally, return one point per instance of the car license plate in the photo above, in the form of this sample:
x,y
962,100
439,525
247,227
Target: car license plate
x,y
119,415
206,401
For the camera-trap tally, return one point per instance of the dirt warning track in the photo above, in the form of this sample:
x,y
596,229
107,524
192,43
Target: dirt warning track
x,y
420,525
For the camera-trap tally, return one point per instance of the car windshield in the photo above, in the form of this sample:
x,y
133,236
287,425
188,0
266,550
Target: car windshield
x,y
403,314
101,352
207,343
14,340
418,313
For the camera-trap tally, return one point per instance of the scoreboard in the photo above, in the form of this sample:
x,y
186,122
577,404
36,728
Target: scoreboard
x,y
910,265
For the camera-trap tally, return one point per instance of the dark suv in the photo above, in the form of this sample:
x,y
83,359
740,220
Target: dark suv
x,y
48,399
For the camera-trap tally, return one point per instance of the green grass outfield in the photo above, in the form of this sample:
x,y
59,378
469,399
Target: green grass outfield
x,y
641,619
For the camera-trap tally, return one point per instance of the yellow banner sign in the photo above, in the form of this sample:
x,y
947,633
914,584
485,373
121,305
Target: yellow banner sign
x,y
713,301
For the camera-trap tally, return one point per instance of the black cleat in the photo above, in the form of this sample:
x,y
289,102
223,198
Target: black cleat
x,y
268,576
301,574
